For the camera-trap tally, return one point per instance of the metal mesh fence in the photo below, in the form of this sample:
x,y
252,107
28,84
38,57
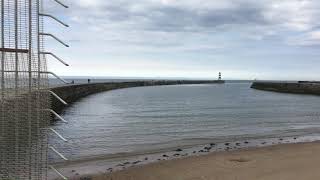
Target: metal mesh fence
x,y
23,99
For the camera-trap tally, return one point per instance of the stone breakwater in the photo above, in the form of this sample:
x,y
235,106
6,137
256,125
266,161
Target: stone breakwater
x,y
73,93
286,87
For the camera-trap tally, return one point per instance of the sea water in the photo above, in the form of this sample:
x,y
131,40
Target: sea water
x,y
149,119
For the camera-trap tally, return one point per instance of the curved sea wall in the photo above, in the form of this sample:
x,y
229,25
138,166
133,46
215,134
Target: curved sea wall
x,y
72,93
285,87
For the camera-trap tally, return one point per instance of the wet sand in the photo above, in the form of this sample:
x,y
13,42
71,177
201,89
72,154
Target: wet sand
x,y
278,162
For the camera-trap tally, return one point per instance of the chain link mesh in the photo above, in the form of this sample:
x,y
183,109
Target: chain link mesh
x,y
23,99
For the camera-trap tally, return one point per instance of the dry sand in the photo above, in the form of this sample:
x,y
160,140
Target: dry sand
x,y
280,162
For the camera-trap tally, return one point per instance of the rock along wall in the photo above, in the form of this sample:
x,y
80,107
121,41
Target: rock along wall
x,y
297,88
73,93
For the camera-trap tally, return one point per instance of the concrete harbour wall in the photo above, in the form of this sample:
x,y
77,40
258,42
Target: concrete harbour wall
x,y
292,87
72,93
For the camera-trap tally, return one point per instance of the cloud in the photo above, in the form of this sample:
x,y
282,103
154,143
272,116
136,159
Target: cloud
x,y
311,38
124,18
187,30
172,16
181,15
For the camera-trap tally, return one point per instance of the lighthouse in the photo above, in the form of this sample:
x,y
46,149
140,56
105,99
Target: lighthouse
x,y
219,81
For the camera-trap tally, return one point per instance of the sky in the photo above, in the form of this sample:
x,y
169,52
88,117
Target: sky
x,y
243,39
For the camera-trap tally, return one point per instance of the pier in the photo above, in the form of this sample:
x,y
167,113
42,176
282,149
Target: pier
x,y
302,87
72,93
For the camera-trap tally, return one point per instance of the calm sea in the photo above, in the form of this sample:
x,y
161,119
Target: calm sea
x,y
145,119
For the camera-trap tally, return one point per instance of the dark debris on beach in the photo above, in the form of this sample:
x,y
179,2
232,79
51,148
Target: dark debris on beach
x,y
211,147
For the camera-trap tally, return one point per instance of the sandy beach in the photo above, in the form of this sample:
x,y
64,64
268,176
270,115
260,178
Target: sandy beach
x,y
279,162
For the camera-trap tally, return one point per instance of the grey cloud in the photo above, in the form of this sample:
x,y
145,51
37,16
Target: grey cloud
x,y
130,20
177,18
191,14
